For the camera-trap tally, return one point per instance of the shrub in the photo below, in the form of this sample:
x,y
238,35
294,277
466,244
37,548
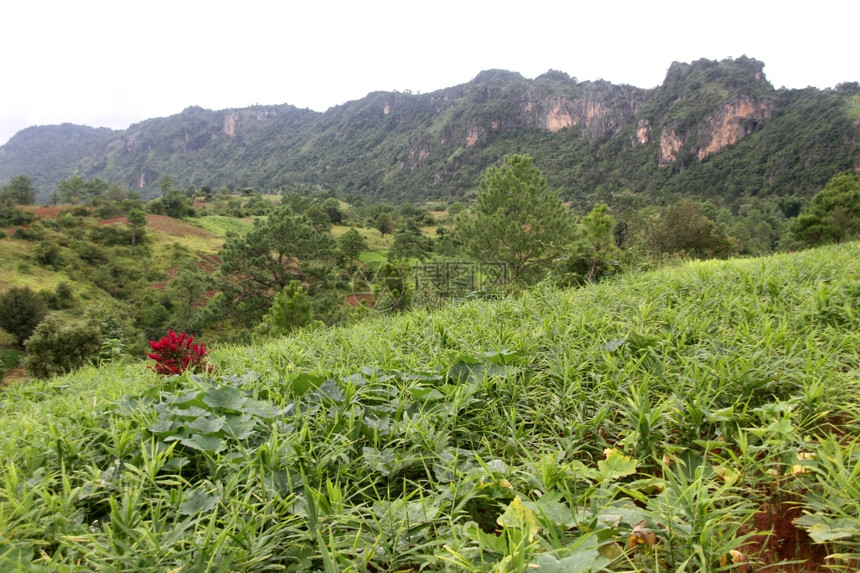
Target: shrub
x,y
176,353
60,346
110,235
21,309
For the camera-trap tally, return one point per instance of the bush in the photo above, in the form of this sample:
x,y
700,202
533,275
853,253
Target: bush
x,y
62,298
21,309
48,255
33,233
61,346
109,235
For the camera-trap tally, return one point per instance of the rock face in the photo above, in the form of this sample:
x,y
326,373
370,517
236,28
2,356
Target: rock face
x,y
732,121
670,143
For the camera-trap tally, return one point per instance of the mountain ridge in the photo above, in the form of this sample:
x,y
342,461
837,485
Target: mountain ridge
x,y
592,139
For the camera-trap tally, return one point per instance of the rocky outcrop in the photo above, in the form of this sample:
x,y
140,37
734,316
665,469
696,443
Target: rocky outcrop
x,y
734,120
600,109
230,123
670,143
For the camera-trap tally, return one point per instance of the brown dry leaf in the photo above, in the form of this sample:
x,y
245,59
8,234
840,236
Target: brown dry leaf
x,y
738,558
641,535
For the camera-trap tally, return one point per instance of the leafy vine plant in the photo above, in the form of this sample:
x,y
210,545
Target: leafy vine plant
x,y
176,353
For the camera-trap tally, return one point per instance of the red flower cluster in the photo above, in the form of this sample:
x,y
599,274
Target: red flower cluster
x,y
176,353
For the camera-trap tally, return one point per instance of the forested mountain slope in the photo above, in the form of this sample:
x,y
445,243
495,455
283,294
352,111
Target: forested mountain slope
x,y
712,129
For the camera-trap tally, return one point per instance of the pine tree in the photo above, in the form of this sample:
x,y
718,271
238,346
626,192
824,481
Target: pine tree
x,y
518,220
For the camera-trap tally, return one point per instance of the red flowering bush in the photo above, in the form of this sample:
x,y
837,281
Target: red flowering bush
x,y
176,353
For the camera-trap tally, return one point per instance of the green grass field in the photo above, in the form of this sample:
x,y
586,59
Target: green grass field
x,y
657,422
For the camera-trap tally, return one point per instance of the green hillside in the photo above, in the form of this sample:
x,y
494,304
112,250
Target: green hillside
x,y
659,421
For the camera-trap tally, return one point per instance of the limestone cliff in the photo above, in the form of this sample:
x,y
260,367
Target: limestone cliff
x,y
732,121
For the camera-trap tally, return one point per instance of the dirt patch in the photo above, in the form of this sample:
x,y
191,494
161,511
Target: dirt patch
x,y
167,225
15,375
786,543
48,211
357,299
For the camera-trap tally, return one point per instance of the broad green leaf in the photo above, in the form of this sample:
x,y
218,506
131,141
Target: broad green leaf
x,y
425,394
260,409
206,425
616,465
502,357
781,426
823,529
584,560
548,508
579,470
239,428
190,412
613,344
225,397
199,501
331,390
162,426
206,443
15,556
304,382
487,541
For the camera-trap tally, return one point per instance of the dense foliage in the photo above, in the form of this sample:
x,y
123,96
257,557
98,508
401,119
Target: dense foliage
x,y
699,418
256,267
21,310
833,215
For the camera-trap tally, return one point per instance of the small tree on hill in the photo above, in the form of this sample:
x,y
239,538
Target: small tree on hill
x,y
352,243
518,220
20,190
137,222
59,346
291,311
283,248
384,224
21,310
683,227
593,255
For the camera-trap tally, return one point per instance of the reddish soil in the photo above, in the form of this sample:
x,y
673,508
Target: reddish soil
x,y
48,211
785,543
167,225
357,298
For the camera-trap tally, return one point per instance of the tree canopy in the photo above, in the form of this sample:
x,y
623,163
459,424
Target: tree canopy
x,y
833,215
518,220
283,248
21,310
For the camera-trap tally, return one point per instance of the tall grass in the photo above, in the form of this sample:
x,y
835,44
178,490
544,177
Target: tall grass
x,y
636,425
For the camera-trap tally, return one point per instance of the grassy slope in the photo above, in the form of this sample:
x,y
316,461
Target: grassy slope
x,y
688,403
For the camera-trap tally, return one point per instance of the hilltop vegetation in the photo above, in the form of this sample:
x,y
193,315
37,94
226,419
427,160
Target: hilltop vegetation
x,y
660,421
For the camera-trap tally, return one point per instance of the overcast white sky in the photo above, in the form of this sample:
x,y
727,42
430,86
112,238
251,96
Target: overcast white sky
x,y
111,63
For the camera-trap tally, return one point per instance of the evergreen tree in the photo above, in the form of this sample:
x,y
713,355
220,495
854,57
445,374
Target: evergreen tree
x,y
352,243
137,222
20,190
283,248
833,215
290,311
518,220
684,228
593,255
